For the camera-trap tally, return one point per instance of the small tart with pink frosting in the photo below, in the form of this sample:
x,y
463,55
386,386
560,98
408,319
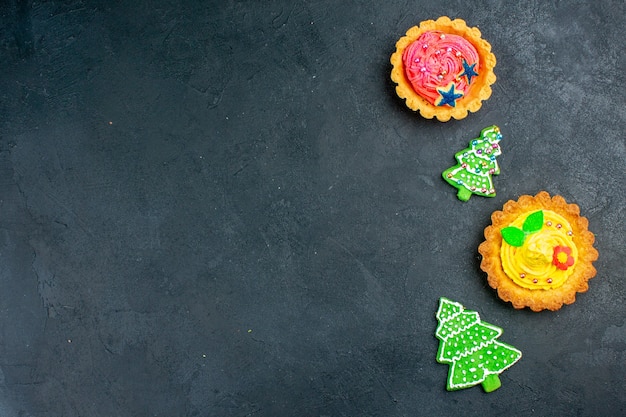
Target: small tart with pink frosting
x,y
443,69
538,252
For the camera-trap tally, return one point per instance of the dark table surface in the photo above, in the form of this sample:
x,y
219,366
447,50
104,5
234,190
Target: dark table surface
x,y
221,208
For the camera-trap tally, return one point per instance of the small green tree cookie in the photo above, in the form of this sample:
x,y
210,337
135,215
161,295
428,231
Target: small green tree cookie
x,y
476,165
471,348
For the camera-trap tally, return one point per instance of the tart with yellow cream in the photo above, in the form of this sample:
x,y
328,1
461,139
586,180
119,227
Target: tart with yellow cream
x,y
538,252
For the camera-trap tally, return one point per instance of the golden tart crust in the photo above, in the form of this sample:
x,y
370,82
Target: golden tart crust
x,y
540,296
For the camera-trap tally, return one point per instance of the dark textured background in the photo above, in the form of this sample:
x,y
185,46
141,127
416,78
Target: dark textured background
x,y
220,208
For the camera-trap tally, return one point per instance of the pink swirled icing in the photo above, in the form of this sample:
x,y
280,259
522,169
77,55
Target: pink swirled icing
x,y
436,60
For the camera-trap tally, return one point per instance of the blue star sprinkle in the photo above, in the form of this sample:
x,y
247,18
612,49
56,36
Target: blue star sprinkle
x,y
449,97
468,71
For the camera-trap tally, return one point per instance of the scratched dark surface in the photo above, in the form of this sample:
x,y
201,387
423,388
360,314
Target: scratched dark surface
x,y
220,208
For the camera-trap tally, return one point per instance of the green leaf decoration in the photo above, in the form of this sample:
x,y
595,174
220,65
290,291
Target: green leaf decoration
x,y
534,222
514,236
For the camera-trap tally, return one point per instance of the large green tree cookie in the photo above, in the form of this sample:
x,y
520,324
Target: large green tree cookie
x,y
476,165
470,347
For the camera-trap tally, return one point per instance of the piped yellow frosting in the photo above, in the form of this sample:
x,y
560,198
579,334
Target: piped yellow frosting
x,y
539,262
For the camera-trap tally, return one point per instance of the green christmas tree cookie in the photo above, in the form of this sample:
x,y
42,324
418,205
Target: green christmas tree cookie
x,y
471,348
476,165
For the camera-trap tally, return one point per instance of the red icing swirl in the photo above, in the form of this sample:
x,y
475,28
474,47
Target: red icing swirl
x,y
435,60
